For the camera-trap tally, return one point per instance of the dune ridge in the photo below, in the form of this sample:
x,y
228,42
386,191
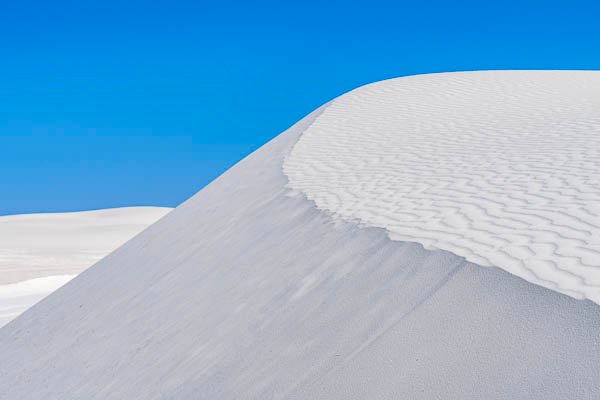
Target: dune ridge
x,y
499,167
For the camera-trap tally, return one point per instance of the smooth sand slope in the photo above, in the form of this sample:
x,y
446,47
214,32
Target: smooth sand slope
x,y
41,252
248,291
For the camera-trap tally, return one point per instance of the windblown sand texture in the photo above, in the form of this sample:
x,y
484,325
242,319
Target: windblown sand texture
x,y
499,167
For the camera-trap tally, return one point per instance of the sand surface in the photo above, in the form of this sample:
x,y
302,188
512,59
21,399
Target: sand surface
x,y
247,291
500,167
41,252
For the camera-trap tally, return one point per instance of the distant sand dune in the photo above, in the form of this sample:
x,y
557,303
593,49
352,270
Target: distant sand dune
x,y
41,252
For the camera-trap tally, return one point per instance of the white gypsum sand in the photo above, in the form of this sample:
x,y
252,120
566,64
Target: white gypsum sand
x,y
18,297
500,167
247,291
41,252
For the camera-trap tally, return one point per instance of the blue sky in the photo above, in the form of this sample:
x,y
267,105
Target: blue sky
x,y
106,104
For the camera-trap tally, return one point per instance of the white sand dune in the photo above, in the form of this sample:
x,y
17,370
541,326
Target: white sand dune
x,y
248,291
15,298
41,252
500,167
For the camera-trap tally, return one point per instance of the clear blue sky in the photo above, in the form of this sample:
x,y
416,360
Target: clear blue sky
x,y
117,103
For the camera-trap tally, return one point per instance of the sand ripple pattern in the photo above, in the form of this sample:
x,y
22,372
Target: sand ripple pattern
x,y
500,167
